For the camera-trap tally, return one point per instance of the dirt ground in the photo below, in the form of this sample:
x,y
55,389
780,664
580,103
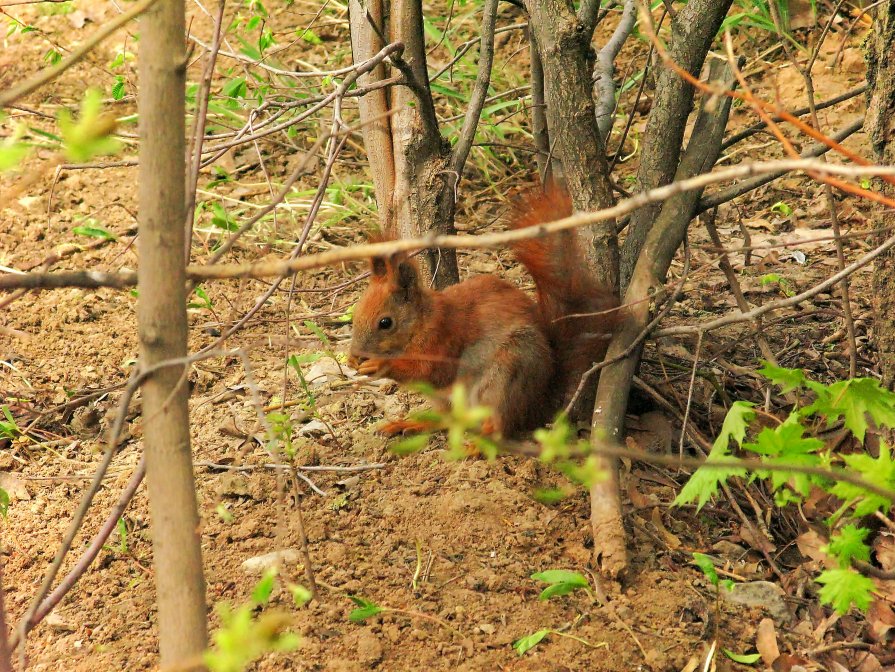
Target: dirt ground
x,y
452,545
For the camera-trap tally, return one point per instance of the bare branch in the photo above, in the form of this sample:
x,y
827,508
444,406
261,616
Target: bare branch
x,y
93,279
479,90
604,69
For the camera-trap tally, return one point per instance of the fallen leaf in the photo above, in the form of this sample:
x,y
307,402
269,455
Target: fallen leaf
x,y
766,641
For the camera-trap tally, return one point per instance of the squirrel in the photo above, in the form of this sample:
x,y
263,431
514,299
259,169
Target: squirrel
x,y
523,358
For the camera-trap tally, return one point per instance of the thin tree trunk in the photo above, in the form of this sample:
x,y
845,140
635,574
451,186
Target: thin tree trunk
x,y
879,124
567,61
693,29
411,170
162,326
663,240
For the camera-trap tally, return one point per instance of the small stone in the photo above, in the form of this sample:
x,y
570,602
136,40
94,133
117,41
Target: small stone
x,y
487,628
762,594
313,428
233,484
59,624
261,563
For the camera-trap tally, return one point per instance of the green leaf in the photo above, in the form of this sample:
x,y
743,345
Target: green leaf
x,y
705,563
853,400
311,37
412,444
848,544
315,329
704,483
786,379
90,135
843,588
528,642
94,232
4,503
222,219
264,587
786,445
879,471
562,582
118,88
744,658
361,614
12,154
300,595
235,88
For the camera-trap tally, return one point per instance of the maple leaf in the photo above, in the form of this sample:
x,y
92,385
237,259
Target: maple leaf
x,y
845,587
879,471
704,483
848,544
853,400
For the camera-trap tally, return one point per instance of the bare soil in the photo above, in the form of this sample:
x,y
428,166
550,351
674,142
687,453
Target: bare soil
x,y
452,545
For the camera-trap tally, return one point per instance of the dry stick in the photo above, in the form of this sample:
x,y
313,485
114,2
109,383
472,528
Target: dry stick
x,y
828,190
479,91
51,73
724,262
124,279
757,128
302,536
323,468
78,519
90,553
717,198
392,51
203,95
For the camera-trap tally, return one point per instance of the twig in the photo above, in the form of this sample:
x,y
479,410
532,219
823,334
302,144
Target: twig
x,y
250,467
303,537
604,69
202,96
92,279
51,73
89,555
760,126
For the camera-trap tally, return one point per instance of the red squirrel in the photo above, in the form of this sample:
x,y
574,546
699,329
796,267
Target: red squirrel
x,y
522,358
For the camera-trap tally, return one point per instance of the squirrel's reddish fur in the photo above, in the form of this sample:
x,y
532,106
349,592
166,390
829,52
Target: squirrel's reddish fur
x,y
520,357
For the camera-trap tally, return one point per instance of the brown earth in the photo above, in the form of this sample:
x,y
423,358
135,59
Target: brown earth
x,y
450,544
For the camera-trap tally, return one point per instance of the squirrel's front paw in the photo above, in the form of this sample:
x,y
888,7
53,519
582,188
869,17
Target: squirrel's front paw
x,y
375,368
396,427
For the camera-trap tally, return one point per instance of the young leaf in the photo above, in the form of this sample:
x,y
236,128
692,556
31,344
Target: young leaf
x,y
562,582
4,503
849,544
853,400
705,563
743,658
365,610
410,445
786,379
704,483
528,642
94,232
844,587
879,471
300,595
264,587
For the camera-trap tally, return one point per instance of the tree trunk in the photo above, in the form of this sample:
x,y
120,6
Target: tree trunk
x,y
693,29
880,127
564,46
408,157
161,315
664,238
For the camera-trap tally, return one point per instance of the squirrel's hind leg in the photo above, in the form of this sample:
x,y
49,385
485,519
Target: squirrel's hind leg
x,y
515,382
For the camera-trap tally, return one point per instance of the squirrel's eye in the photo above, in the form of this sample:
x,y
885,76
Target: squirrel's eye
x,y
385,323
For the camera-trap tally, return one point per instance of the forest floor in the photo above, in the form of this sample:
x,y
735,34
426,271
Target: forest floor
x,y
452,545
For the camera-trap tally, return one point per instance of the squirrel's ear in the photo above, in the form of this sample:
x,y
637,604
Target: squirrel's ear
x,y
379,267
406,280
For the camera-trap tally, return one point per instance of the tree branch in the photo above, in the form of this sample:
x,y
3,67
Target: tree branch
x,y
479,91
604,69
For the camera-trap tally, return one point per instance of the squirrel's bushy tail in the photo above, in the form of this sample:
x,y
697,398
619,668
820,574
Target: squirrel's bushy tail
x,y
577,312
